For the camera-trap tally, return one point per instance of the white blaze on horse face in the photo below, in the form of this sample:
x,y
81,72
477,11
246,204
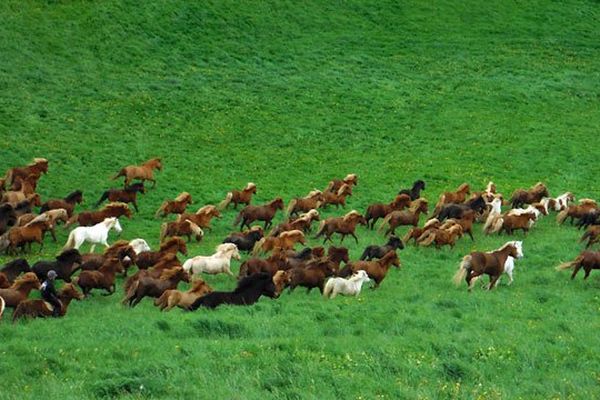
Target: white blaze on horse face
x,y
519,246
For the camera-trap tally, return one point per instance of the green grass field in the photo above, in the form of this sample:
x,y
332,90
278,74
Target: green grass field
x,y
290,95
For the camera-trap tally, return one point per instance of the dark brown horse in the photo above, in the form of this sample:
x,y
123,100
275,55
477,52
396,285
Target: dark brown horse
x,y
247,292
103,278
264,213
521,197
127,195
576,211
39,308
236,197
313,276
90,218
277,261
176,206
147,286
65,265
344,226
404,217
14,268
588,260
144,172
415,191
592,234
68,203
245,240
380,210
19,291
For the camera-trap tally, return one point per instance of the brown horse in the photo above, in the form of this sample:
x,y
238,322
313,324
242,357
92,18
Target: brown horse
x,y
4,282
146,259
176,206
53,218
588,260
22,204
301,223
90,218
144,172
264,213
404,217
305,204
20,290
25,235
147,286
592,234
313,276
441,236
277,261
466,222
26,185
490,263
14,268
127,195
453,197
512,222
521,197
576,211
38,167
181,228
120,249
103,278
376,269
416,232
284,241
202,217
236,197
345,225
68,203
173,297
380,210
39,308
336,184
336,198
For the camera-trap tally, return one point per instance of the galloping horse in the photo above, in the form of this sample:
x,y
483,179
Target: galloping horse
x,y
533,195
38,167
415,191
236,197
97,234
176,206
343,225
264,213
68,203
588,260
127,195
218,262
144,172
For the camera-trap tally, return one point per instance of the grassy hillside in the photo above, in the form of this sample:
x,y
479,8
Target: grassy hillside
x,y
290,95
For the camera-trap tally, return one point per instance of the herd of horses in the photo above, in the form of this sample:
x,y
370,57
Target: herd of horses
x,y
273,263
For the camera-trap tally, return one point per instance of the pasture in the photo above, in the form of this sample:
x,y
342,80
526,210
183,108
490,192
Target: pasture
x,y
289,96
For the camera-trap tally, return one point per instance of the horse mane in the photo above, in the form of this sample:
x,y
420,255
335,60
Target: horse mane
x,y
206,209
505,245
23,279
250,186
67,254
116,205
344,189
248,281
313,193
350,178
224,247
183,196
37,160
295,232
40,218
170,273
417,204
197,285
463,186
172,241
350,215
587,201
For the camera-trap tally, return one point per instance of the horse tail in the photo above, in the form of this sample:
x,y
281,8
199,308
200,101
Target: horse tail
x,y
222,205
365,254
102,198
291,207
70,241
570,264
560,218
495,225
329,186
328,288
427,238
321,229
461,274
163,231
2,306
257,246
163,300
130,287
160,210
196,230
385,221
122,172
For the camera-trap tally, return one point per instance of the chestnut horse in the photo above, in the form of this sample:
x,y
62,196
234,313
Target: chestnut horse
x,y
32,232
302,223
90,218
146,259
236,197
405,217
345,225
19,291
521,197
68,203
312,201
202,217
127,195
415,191
336,198
103,278
491,263
38,167
453,197
576,211
181,228
588,260
176,206
173,297
416,232
380,210
144,172
441,237
522,221
284,241
264,213
52,217
377,270
592,234
335,185
147,286
40,308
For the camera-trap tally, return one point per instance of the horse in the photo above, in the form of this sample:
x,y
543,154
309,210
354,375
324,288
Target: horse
x,y
65,265
441,236
576,211
264,213
313,275
246,240
146,259
416,232
247,292
139,245
453,210
513,222
454,197
27,185
465,221
304,204
97,234
491,263
103,278
144,172
173,297
32,232
561,202
4,283
377,269
147,286
14,268
592,234
8,217
343,225
68,203
20,289
494,220
588,260
26,206
380,210
296,259
535,194
301,223
236,197
181,228
335,185
40,308
347,287
337,198
37,167
214,264
405,217
51,217
127,195
202,217
285,241
176,206
277,261
120,250
89,218
415,191
374,251
589,218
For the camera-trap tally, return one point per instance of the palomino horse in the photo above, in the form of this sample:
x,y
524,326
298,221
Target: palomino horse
x,y
39,308
173,297
68,203
588,260
380,210
127,195
416,232
345,225
217,263
492,263
415,191
176,206
441,236
97,234
521,197
236,197
264,213
346,287
144,172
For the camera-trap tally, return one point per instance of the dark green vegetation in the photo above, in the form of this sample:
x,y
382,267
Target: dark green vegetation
x,y
290,95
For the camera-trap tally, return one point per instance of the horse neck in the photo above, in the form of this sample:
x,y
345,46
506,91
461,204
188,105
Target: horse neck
x,y
502,255
386,262
25,288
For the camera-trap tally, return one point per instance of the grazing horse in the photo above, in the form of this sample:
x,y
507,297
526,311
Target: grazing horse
x,y
345,225
335,185
68,203
377,269
405,217
247,292
97,234
38,167
214,264
181,228
246,240
89,218
40,308
415,191
19,291
144,172
375,251
146,259
103,278
490,263
521,197
236,197
592,234
337,198
305,204
14,268
379,210
284,241
588,260
202,217
173,297
147,286
65,265
176,206
346,287
301,223
264,213
127,195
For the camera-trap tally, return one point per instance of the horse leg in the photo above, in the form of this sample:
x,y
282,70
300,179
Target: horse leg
x,y
53,233
228,272
471,235
93,247
510,277
493,281
153,182
575,270
135,206
354,236
587,272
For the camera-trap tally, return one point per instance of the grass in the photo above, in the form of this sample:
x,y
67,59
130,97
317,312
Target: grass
x,y
290,95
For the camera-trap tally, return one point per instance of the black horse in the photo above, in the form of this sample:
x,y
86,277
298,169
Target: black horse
x,y
65,265
15,268
453,210
8,217
127,195
247,292
415,191
244,242
375,251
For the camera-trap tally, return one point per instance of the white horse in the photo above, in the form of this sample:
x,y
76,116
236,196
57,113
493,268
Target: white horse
x,y
217,263
347,287
97,234
139,245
